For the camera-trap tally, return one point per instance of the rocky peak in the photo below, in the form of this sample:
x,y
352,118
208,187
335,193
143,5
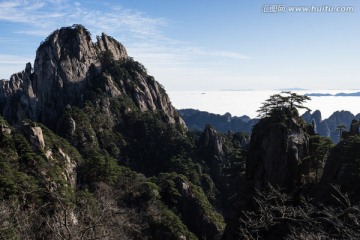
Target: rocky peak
x,y
76,42
212,152
276,152
212,139
67,64
61,71
63,67
28,69
109,44
317,116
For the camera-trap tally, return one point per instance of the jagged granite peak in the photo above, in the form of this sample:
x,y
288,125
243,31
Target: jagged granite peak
x,y
18,90
212,139
212,142
63,67
67,54
106,43
66,64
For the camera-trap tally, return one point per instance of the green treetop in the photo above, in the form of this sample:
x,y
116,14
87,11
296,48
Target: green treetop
x,y
282,102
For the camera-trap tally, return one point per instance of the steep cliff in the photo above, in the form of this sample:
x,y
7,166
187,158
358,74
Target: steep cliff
x,y
278,147
343,166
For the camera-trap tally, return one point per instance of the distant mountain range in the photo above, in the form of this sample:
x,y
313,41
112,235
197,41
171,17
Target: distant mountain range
x,y
354,94
197,120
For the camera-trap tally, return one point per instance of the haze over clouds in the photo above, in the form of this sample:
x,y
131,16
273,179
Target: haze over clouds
x,y
201,45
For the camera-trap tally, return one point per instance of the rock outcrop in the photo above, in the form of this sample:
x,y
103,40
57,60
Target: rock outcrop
x,y
212,139
5,129
212,152
34,135
67,64
277,149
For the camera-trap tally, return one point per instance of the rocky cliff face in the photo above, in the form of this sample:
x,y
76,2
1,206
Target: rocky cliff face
x,y
34,135
212,139
212,144
343,165
277,149
62,68
67,64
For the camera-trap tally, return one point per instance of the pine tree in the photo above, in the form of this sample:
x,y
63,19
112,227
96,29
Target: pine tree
x,y
282,101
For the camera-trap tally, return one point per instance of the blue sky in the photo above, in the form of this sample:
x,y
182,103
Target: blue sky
x,y
202,44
